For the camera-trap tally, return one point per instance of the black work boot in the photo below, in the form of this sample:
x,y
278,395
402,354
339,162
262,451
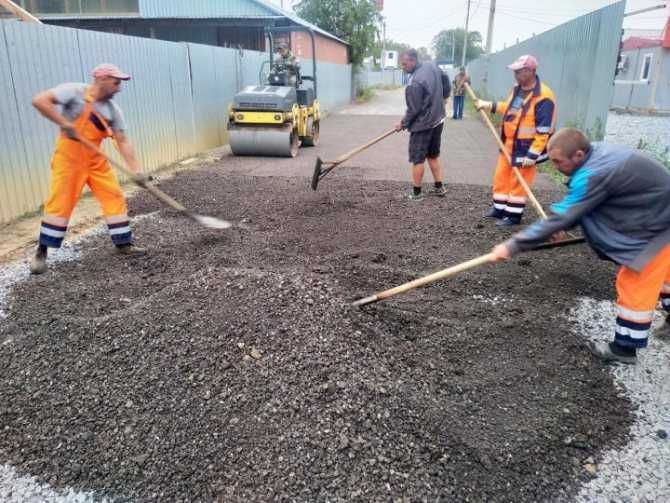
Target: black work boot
x,y
38,265
130,250
494,213
509,221
613,352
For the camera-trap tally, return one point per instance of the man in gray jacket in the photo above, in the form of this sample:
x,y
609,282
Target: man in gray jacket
x,y
425,95
621,199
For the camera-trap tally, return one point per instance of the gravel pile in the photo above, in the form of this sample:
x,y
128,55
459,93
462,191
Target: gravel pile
x,y
230,365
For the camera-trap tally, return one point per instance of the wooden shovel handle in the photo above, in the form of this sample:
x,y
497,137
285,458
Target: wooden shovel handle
x,y
445,273
501,146
349,155
156,192
19,11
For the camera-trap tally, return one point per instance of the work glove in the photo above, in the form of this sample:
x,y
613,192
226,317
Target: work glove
x,y
483,105
527,162
69,131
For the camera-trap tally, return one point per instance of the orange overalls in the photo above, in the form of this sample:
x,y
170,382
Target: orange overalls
x,y
527,125
637,295
75,165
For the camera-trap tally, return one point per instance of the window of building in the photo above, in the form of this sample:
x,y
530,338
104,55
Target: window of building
x,y
646,67
80,7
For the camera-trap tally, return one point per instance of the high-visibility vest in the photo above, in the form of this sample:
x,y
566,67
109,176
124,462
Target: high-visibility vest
x,y
528,123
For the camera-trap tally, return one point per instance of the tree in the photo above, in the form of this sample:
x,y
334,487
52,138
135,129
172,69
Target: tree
x,y
355,21
424,54
375,51
443,45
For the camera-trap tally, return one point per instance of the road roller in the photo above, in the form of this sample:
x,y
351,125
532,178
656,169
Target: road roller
x,y
279,115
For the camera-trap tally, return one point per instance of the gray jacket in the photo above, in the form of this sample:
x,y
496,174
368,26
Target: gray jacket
x,y
621,198
425,95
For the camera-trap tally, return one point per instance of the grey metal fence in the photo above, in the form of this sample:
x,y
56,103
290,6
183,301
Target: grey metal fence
x,y
372,78
577,60
175,105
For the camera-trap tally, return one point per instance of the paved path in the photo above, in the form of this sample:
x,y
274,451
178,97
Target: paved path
x,y
469,150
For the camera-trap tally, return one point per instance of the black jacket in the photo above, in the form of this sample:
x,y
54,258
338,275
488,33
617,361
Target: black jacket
x,y
425,95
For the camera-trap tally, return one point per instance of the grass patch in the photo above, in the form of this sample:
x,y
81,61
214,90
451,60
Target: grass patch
x,y
660,153
387,87
548,168
364,94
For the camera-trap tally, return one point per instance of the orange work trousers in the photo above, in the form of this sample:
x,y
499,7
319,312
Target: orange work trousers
x,y
509,196
637,296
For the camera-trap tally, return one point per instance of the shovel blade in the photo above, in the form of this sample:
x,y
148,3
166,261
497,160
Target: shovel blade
x,y
212,222
317,173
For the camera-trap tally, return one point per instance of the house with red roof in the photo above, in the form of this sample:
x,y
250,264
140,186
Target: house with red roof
x,y
642,81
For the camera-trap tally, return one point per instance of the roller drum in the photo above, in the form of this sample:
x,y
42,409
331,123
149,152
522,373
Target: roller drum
x,y
263,141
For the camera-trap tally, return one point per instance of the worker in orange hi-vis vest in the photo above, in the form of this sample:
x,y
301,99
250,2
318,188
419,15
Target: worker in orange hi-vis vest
x,y
86,111
529,119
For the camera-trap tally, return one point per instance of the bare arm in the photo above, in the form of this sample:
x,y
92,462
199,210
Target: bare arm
x,y
127,151
45,103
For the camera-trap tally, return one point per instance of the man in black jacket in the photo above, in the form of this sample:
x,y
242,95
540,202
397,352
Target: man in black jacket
x,y
425,95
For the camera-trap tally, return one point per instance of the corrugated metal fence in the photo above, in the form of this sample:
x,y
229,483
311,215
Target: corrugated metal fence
x,y
175,106
577,60
372,78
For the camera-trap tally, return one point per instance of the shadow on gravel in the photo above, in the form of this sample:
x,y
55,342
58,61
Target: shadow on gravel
x,y
230,366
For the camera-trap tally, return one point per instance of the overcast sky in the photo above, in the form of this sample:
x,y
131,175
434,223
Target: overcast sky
x,y
417,21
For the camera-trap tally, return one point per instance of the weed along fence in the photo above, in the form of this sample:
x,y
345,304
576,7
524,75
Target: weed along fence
x,y
175,105
577,60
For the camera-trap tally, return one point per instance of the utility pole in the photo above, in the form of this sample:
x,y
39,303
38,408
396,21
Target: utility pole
x,y
453,48
383,47
489,34
465,38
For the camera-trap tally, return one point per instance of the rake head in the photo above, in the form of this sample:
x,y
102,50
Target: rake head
x,y
317,173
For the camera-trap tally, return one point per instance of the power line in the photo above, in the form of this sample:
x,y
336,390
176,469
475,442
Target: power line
x,y
529,19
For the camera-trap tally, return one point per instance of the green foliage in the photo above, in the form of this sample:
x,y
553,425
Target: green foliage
x,y
656,151
424,54
375,50
364,94
355,21
443,45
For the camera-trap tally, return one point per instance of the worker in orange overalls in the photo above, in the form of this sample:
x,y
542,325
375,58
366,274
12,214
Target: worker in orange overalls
x,y
86,111
529,119
620,197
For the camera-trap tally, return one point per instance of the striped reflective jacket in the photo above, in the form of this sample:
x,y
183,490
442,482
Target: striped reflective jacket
x,y
528,123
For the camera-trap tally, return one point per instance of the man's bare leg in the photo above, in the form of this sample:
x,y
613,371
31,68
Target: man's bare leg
x,y
436,169
417,179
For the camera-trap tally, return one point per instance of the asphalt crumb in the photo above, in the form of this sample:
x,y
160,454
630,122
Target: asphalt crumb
x,y
230,366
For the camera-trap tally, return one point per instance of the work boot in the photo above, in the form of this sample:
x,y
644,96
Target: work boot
x,y
612,352
438,191
508,221
494,213
663,330
38,265
130,250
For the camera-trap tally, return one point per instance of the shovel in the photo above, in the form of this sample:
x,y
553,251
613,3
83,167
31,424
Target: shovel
x,y
320,171
206,221
451,271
